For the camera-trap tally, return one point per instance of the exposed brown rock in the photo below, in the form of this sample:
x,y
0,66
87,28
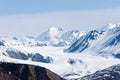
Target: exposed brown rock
x,y
10,71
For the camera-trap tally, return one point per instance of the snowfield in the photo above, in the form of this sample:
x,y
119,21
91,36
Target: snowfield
x,y
67,65
70,54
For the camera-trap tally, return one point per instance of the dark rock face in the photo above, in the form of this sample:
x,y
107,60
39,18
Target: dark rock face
x,y
2,43
83,42
17,55
39,58
13,53
9,71
117,55
113,41
111,73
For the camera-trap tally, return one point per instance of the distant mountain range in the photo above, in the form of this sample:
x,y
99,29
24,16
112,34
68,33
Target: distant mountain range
x,y
104,41
58,37
53,37
111,73
71,54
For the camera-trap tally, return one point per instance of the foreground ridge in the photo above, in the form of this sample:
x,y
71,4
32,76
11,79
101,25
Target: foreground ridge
x,y
10,71
111,73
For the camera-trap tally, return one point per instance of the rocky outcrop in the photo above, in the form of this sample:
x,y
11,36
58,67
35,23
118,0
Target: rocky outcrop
x,y
37,57
17,54
10,71
111,73
2,43
84,42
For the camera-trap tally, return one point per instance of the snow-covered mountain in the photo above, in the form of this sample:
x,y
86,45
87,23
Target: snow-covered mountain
x,y
7,38
15,53
53,37
58,37
101,42
84,42
111,73
28,39
69,66
70,36
90,52
108,27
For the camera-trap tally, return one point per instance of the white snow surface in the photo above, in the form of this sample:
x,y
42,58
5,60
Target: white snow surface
x,y
54,32
84,63
59,37
68,65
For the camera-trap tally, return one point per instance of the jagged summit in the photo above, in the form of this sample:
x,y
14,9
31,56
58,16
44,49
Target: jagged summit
x,y
98,40
59,37
109,26
111,73
7,38
84,42
54,32
90,52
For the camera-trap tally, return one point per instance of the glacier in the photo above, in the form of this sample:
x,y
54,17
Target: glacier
x,y
71,54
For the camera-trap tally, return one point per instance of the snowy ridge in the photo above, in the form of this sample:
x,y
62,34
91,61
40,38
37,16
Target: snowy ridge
x,y
66,65
84,42
58,37
101,42
15,53
90,52
53,37
111,73
108,27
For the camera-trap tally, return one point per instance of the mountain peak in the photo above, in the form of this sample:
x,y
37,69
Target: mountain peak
x,y
59,37
54,31
111,26
55,28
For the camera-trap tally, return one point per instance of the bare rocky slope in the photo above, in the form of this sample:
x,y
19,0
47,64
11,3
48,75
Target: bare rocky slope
x,y
10,71
111,73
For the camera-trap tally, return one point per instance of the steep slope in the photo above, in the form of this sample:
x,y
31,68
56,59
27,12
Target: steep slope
x,y
58,37
68,66
70,36
111,73
101,42
28,39
109,43
10,71
104,42
7,38
24,55
84,42
108,26
51,37
2,43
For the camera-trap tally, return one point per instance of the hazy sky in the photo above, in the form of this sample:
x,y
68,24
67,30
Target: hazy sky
x,y
31,17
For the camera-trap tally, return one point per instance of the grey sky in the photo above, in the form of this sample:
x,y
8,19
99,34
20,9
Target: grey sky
x,y
34,24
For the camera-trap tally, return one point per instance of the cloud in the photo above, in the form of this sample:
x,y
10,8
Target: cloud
x,y
35,24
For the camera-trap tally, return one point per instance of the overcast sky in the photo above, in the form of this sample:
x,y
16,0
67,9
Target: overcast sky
x,y
32,17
